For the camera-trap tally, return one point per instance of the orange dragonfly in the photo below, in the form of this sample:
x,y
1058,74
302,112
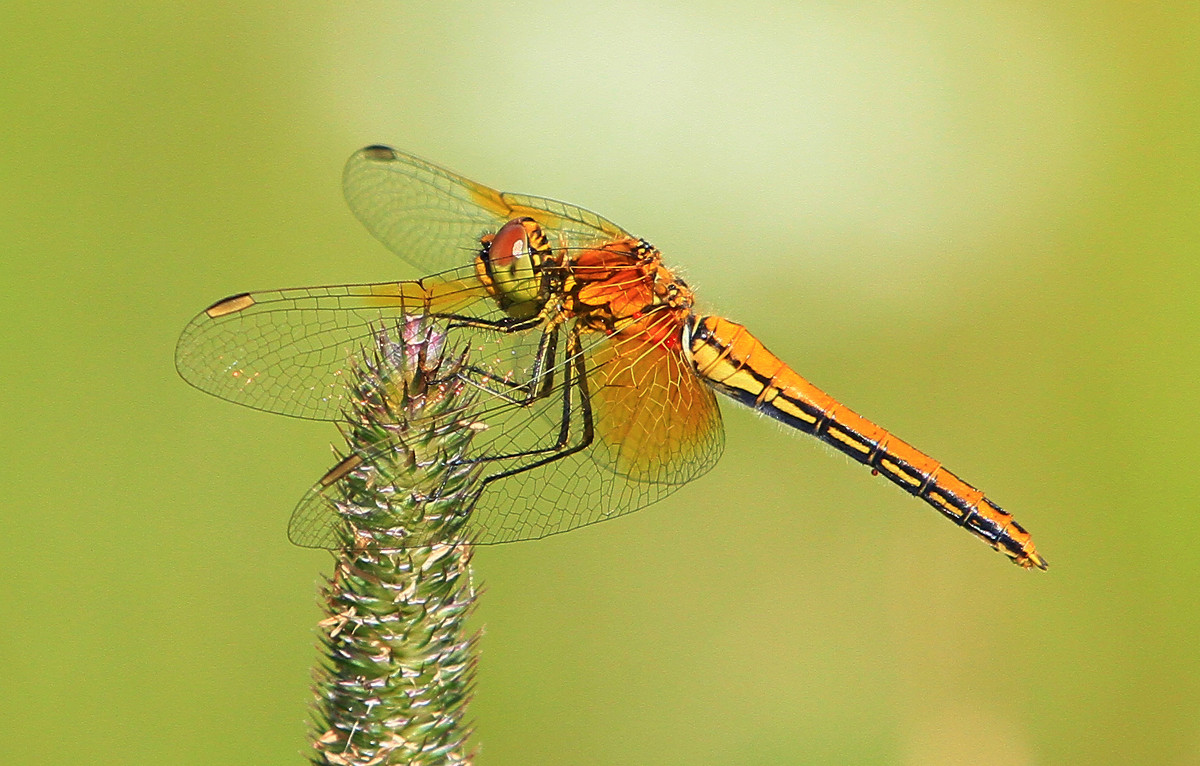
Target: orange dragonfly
x,y
596,375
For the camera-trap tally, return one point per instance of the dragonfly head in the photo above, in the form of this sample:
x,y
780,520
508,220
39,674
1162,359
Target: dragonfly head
x,y
510,264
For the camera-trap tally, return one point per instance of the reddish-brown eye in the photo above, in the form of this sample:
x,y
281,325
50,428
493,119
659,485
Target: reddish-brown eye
x,y
509,244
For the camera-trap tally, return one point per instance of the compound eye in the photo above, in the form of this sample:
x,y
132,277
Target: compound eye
x,y
510,244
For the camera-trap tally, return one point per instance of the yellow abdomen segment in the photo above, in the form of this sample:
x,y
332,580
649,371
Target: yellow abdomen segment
x,y
737,364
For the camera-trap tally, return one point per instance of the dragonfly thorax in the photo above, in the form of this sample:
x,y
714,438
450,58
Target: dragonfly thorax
x,y
510,264
623,288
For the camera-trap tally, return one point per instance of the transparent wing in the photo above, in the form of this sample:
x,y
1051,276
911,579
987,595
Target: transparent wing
x,y
433,218
639,424
287,351
657,421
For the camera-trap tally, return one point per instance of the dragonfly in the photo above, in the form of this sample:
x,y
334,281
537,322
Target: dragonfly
x,y
597,376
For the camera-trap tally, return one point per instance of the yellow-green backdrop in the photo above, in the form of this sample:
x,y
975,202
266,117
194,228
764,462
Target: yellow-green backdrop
x,y
977,223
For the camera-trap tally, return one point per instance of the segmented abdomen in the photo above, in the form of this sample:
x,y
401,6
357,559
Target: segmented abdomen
x,y
736,363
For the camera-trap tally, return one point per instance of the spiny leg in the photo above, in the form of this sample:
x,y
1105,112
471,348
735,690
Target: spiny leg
x,y
574,377
541,375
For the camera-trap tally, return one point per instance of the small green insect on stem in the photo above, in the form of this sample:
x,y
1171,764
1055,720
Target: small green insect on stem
x,y
398,667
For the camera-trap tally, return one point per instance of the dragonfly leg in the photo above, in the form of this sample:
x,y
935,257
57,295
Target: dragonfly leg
x,y
506,325
541,378
574,379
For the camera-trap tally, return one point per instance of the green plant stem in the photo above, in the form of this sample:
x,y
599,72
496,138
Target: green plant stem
x,y
398,666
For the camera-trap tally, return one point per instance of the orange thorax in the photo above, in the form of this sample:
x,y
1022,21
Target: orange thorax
x,y
624,288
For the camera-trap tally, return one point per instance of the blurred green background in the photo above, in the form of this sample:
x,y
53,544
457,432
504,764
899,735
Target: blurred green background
x,y
976,223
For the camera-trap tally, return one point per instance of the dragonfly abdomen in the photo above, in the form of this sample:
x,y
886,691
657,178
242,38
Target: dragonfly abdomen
x,y
736,363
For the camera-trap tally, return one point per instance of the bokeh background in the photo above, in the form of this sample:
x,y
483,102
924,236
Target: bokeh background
x,y
977,223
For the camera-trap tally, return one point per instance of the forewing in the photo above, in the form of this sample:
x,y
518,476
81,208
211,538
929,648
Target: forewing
x,y
434,218
287,351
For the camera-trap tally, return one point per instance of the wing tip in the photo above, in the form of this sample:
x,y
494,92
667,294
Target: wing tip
x,y
230,305
378,152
